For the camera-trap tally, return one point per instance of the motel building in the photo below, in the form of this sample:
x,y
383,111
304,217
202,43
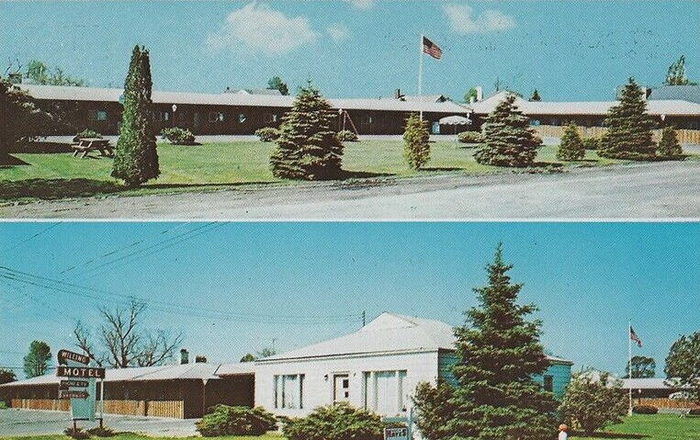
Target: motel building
x,y
377,368
243,112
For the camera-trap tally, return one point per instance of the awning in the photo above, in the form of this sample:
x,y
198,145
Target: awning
x,y
455,120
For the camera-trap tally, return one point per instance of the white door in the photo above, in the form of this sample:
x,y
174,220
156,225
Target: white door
x,y
341,388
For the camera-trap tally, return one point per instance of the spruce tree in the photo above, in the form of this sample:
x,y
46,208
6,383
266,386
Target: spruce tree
x,y
499,354
416,147
669,146
307,147
136,158
571,147
535,96
629,134
508,138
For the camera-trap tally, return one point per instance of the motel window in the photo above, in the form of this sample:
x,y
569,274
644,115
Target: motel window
x,y
269,118
693,125
366,119
216,117
555,122
535,122
161,116
289,390
101,115
549,383
384,391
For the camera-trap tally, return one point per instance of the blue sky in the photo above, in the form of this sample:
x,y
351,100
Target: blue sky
x,y
568,50
299,283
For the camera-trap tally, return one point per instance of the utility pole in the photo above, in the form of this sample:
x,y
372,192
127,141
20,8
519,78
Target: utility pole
x,y
364,318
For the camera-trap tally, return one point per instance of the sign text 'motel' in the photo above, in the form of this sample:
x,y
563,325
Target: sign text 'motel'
x,y
82,372
65,355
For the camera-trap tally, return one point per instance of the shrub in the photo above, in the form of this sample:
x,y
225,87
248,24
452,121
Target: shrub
x,y
3,405
591,403
669,146
571,147
267,134
645,409
470,137
308,148
87,133
338,422
694,412
178,136
347,136
102,432
77,434
416,146
509,141
591,143
236,420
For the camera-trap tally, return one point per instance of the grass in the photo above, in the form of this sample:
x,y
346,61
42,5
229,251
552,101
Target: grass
x,y
220,165
652,427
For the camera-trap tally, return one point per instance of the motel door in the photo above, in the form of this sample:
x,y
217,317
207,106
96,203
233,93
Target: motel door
x,y
341,388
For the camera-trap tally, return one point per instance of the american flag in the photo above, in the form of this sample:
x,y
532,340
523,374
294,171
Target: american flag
x,y
431,49
634,337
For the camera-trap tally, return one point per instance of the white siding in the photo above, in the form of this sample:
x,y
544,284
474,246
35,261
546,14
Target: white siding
x,y
388,374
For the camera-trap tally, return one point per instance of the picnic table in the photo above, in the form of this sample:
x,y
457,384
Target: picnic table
x,y
86,145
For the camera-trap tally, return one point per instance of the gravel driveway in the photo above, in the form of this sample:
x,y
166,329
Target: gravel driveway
x,y
15,422
639,191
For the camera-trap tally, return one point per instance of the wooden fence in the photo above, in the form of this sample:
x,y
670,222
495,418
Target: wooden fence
x,y
155,408
46,404
684,136
666,403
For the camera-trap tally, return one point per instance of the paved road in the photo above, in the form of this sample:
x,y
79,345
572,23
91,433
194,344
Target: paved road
x,y
14,422
645,191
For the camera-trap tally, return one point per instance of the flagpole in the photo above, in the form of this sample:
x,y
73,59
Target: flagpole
x,y
420,75
629,364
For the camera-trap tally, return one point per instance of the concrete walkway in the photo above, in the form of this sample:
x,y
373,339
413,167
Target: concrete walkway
x,y
15,422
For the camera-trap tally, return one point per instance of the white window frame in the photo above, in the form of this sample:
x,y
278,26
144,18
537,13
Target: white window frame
x,y
216,117
279,387
369,388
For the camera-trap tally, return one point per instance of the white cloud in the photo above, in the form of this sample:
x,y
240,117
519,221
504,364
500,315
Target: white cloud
x,y
262,29
361,4
338,32
463,20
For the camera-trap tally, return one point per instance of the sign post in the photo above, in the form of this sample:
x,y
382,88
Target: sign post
x,y
80,385
401,433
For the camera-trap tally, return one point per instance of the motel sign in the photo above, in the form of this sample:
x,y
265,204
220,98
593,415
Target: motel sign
x,y
82,372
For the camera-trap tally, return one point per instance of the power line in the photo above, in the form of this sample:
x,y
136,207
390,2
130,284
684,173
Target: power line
x,y
43,231
167,307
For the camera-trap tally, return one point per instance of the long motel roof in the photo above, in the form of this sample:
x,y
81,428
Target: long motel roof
x,y
668,107
200,371
94,94
389,333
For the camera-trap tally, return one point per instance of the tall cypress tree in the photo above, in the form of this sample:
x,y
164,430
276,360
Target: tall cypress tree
x,y
629,134
136,158
307,147
499,353
508,139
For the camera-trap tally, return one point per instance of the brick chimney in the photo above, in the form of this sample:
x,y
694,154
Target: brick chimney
x,y
184,357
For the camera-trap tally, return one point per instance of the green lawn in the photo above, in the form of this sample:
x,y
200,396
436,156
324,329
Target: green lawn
x,y
645,427
653,427
216,165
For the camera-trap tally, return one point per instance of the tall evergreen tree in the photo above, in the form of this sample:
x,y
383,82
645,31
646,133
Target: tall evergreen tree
x,y
308,147
499,354
136,158
629,134
535,96
508,138
571,147
36,362
669,145
276,83
676,74
416,146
